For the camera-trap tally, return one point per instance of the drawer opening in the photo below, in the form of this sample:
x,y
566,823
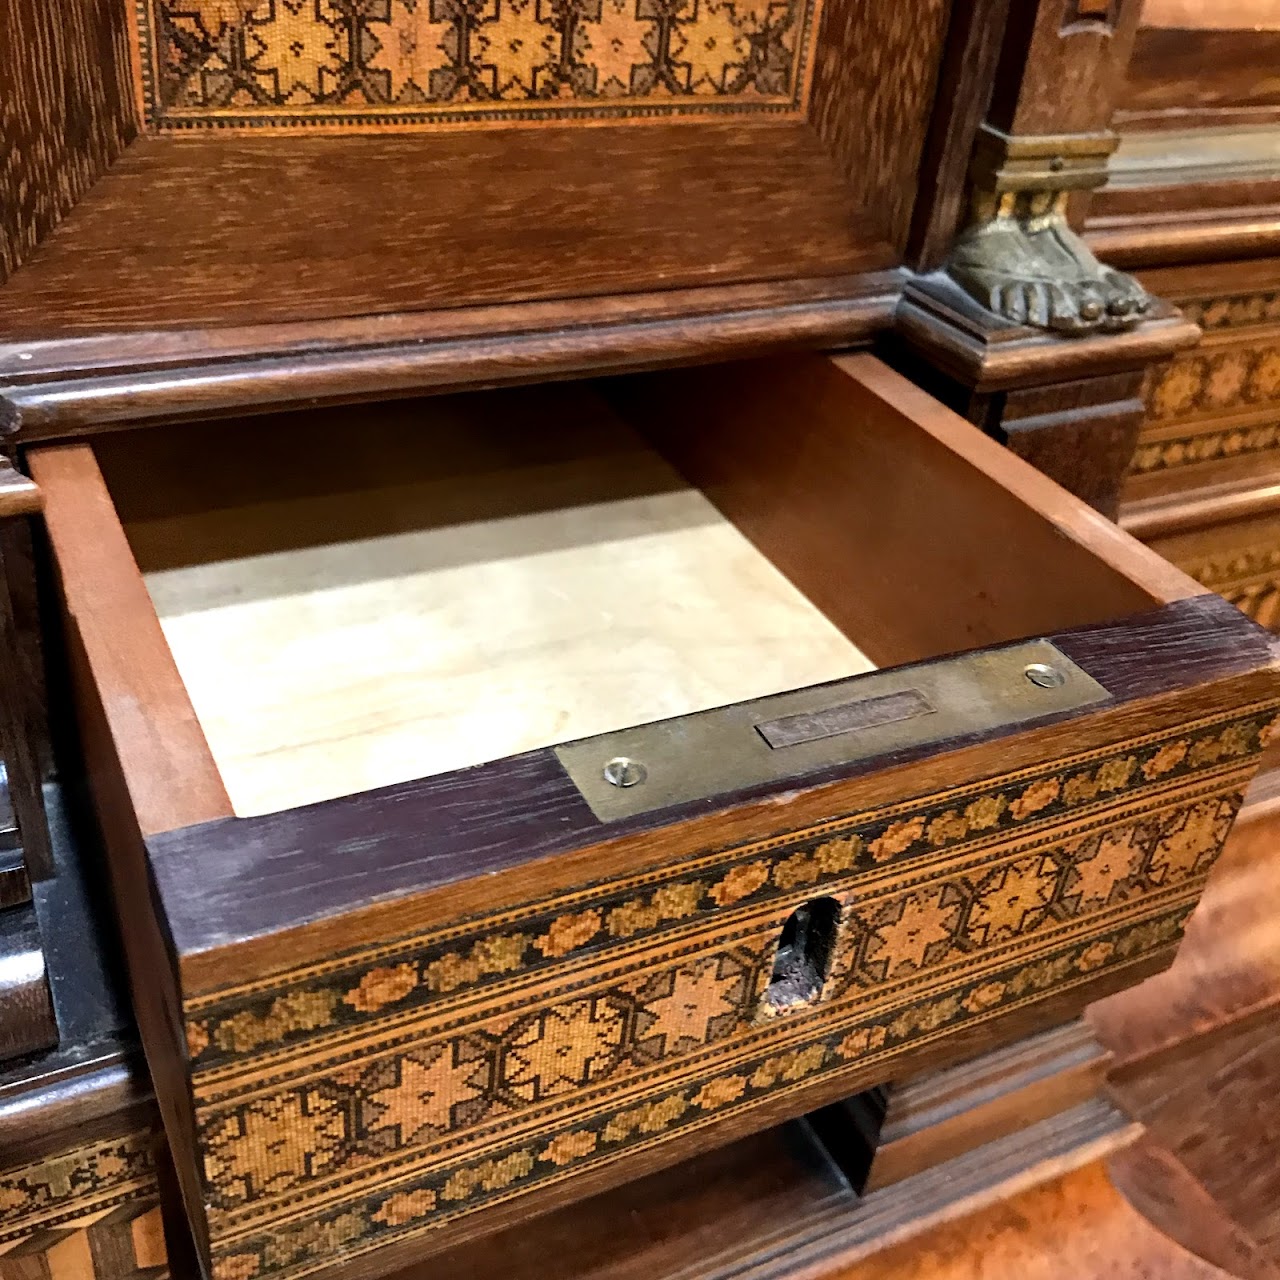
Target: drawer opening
x,y
367,595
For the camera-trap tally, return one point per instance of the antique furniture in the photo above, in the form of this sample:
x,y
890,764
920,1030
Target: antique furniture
x,y
490,517
1191,204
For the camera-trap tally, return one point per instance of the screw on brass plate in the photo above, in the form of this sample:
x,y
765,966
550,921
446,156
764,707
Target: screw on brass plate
x,y
622,771
1044,676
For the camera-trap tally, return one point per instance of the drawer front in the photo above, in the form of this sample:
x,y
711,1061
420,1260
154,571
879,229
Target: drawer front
x,y
402,1086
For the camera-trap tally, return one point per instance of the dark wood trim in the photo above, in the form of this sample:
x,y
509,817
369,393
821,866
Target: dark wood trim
x,y
27,1021
1167,239
963,95
1181,77
941,324
57,389
23,731
948,1113
1202,508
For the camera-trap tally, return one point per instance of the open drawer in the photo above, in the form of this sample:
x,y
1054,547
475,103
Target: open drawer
x,y
908,752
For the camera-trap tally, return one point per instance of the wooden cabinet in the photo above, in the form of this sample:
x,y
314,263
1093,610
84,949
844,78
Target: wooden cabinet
x,y
888,783
281,163
520,525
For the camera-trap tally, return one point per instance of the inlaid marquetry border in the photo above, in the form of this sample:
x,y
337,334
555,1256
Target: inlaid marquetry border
x,y
364,985
410,1208
74,1184
366,1099
234,56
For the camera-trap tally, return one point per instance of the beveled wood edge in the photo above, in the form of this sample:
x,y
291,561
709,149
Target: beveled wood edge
x,y
73,1103
950,1112
923,1101
954,334
19,495
1074,518
1200,508
1155,240
168,766
28,1023
56,390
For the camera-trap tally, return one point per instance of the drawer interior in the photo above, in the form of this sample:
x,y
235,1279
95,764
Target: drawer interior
x,y
381,595
360,596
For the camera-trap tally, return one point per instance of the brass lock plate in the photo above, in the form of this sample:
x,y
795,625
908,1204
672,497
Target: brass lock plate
x,y
785,735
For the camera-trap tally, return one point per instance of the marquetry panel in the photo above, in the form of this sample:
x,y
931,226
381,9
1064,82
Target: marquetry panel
x,y
353,62
1249,578
1239,560
1220,400
393,1089
91,1212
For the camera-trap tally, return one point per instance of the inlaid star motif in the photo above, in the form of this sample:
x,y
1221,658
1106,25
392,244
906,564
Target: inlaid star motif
x,y
1013,899
564,1048
421,1097
906,932
274,1144
1188,838
1117,858
696,997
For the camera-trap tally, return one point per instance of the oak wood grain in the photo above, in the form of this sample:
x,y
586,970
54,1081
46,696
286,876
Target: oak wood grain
x,y
67,113
283,230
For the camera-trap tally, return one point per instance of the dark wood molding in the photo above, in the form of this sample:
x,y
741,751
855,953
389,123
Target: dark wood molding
x,y
61,389
945,1115
776,1206
963,96
940,324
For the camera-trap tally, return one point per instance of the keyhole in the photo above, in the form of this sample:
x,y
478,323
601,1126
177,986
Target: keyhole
x,y
805,946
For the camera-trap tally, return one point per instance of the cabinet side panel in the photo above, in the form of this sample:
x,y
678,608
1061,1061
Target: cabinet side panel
x,y
66,112
874,76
